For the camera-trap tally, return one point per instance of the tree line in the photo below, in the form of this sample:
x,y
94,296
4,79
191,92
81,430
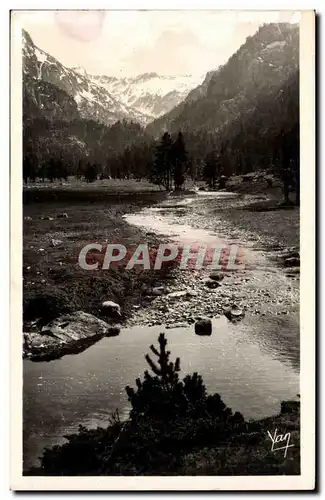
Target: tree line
x,y
168,162
55,149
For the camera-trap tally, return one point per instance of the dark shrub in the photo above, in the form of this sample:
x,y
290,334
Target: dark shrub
x,y
46,307
169,417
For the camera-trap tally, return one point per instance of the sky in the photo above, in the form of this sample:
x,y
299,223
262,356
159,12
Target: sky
x,y
128,43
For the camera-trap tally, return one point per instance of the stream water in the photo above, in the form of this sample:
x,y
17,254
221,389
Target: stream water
x,y
248,364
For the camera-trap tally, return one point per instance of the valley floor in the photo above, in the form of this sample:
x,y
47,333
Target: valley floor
x,y
53,282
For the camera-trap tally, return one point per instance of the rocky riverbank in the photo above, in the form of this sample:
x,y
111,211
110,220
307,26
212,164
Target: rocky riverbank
x,y
267,284
56,290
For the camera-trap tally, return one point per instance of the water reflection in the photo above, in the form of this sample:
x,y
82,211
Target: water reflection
x,y
249,375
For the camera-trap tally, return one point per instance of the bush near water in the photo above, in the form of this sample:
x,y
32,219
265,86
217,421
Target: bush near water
x,y
175,427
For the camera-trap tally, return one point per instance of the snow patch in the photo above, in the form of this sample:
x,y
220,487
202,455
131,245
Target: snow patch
x,y
273,45
87,96
81,70
144,92
41,56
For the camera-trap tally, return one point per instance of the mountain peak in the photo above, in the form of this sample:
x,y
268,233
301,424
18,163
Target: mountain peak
x,y
151,94
27,39
92,100
146,76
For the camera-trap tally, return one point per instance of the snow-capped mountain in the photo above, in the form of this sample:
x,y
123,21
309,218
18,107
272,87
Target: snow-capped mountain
x,y
149,93
103,98
93,100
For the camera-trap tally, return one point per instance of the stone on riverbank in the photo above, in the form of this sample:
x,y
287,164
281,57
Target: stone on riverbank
x,y
157,291
234,313
216,276
55,242
292,262
113,331
176,325
68,334
181,294
111,308
210,283
293,271
42,217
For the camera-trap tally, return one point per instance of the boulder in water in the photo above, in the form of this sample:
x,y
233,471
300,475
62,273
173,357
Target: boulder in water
x,y
203,326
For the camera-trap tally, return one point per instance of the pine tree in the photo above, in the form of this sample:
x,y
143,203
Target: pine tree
x,y
167,371
91,172
179,155
27,168
52,169
80,170
162,396
162,168
156,396
210,169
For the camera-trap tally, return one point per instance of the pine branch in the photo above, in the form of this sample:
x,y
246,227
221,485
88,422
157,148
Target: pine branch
x,y
129,391
152,365
154,350
162,342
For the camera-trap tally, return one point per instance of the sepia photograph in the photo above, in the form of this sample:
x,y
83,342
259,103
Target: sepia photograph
x,y
160,197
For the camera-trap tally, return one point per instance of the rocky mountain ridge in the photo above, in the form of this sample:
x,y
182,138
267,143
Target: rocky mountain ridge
x,y
93,101
150,93
106,99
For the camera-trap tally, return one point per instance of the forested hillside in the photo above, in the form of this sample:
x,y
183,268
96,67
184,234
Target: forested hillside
x,y
243,117
58,148
261,65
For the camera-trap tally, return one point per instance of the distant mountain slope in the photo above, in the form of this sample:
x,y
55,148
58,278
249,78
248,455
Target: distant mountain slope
x,y
93,101
149,93
261,65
